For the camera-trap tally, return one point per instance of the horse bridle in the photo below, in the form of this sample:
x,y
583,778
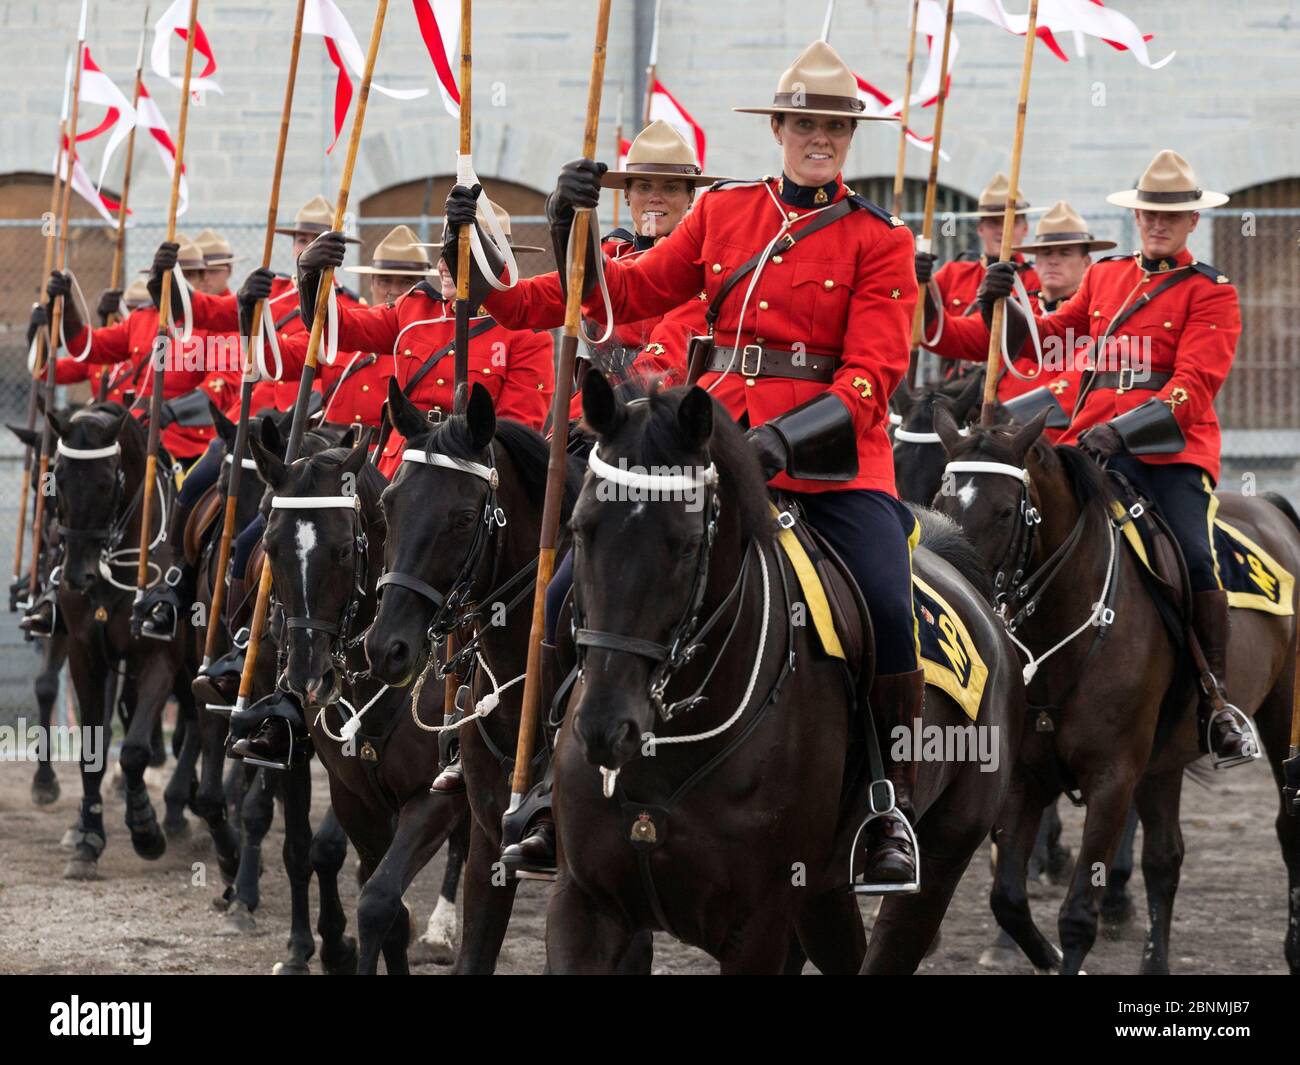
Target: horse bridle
x,y
340,632
111,535
454,609
687,635
1015,563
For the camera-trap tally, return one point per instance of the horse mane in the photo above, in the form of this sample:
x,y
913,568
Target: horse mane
x,y
528,450
741,482
1090,481
102,417
943,536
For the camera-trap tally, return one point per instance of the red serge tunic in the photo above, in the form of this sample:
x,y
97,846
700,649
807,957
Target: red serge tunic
x,y
222,312
516,366
960,279
1189,331
846,291
129,343
963,339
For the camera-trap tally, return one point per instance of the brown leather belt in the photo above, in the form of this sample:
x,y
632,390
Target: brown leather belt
x,y
1126,381
755,360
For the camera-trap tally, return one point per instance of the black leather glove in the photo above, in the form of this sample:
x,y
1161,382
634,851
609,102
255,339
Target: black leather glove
x,y
110,302
462,210
39,320
163,261
256,287
326,252
999,282
925,267
1102,442
770,449
577,186
60,285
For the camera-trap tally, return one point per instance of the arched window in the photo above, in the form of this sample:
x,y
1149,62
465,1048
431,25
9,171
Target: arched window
x,y
952,236
419,204
1255,245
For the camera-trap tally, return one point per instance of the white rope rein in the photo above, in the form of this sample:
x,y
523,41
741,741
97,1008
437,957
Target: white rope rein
x,y
1100,612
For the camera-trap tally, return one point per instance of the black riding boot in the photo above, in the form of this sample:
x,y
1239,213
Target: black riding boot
x,y
1231,736
272,742
535,852
896,699
176,591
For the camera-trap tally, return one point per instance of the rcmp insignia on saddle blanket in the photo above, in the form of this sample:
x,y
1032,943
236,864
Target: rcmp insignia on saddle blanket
x,y
951,661
1253,579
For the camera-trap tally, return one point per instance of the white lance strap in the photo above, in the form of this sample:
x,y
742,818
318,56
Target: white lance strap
x,y
87,453
594,237
84,310
260,370
660,482
31,352
486,473
1021,295
466,177
187,313
331,328
925,244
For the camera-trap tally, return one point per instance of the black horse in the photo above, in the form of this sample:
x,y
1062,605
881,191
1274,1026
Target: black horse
x,y
730,824
325,539
99,469
464,514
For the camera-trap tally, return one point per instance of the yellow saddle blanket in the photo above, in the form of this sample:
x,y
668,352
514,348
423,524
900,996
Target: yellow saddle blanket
x,y
948,655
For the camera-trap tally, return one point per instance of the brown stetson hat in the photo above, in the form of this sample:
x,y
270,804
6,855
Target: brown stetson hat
x,y
503,219
993,200
1063,226
137,294
658,151
188,255
819,83
1169,184
216,249
398,253
315,218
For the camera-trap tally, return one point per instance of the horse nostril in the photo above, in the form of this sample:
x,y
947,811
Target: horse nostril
x,y
399,653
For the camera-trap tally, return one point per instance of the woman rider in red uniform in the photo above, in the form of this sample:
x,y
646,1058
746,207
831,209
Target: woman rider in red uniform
x,y
808,360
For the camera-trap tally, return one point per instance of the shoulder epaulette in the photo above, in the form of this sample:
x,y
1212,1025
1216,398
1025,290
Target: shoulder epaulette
x,y
428,290
618,234
967,256
1212,272
1116,258
865,204
735,183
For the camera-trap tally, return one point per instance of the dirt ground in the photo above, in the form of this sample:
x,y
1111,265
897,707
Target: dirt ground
x,y
151,917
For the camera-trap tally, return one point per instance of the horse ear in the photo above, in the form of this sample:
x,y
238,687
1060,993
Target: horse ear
x,y
58,422
481,417
357,456
225,427
404,414
601,409
695,418
970,394
269,464
902,399
1025,437
272,439
30,437
946,425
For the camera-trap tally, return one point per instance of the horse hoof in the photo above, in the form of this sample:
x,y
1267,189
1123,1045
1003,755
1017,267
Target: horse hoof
x,y
176,829
340,962
430,952
45,792
69,840
149,845
238,921
1116,915
81,868
290,968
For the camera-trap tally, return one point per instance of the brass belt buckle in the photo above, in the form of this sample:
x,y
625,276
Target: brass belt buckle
x,y
1122,387
757,350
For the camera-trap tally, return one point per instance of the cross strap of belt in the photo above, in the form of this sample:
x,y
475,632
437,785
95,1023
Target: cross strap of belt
x,y
441,353
352,369
832,214
1093,378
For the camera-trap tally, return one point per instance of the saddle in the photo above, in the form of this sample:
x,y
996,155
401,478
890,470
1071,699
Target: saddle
x,y
200,521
